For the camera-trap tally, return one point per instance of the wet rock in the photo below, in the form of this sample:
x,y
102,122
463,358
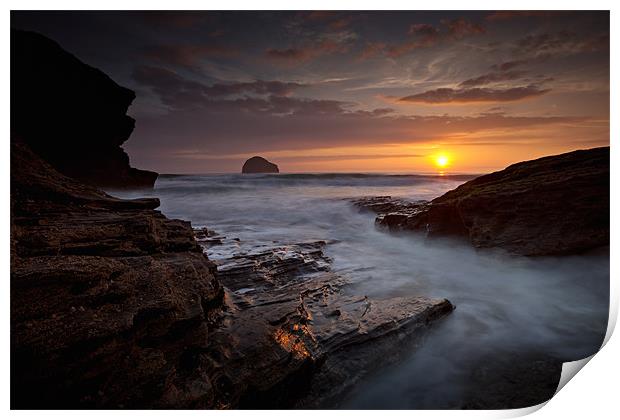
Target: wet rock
x,y
259,165
109,298
300,339
208,237
71,114
393,214
555,205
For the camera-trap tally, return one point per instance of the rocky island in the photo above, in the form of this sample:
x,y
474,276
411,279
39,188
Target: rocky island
x,y
259,165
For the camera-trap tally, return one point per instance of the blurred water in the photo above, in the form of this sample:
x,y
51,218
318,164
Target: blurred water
x,y
551,306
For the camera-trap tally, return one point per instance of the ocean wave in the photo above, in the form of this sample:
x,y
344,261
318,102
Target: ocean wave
x,y
218,183
321,176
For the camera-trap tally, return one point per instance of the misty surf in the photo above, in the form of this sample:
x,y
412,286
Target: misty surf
x,y
551,307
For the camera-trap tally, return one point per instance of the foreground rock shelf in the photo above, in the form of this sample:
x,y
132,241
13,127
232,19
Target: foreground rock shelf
x,y
110,300
299,339
555,205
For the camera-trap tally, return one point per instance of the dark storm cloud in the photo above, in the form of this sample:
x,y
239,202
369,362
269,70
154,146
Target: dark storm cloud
x,y
448,95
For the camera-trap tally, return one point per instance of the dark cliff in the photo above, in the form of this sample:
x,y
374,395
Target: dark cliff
x,y
71,114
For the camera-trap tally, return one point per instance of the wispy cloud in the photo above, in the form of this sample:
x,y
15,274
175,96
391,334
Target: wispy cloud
x,y
459,96
425,35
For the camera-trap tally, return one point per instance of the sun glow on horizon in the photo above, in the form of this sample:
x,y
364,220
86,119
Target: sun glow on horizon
x,y
442,160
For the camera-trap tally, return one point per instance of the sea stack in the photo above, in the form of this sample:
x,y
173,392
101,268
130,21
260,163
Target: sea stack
x,y
259,165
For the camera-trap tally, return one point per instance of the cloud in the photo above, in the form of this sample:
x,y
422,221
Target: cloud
x,y
318,15
186,55
332,19
297,55
494,77
174,19
448,95
563,43
244,117
341,23
178,92
381,111
172,89
373,49
461,27
503,15
424,35
288,54
423,29
314,34
508,65
259,87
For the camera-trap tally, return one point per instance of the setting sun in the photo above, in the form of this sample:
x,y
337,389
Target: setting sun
x,y
441,161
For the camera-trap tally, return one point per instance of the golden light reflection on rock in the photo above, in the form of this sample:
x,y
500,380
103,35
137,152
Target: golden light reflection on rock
x,y
293,342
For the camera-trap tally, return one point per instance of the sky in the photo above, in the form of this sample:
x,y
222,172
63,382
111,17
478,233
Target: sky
x,y
326,91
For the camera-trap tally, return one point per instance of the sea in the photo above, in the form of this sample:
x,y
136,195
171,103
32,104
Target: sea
x,y
551,306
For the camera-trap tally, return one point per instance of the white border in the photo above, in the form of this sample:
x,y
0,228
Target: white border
x,y
592,394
